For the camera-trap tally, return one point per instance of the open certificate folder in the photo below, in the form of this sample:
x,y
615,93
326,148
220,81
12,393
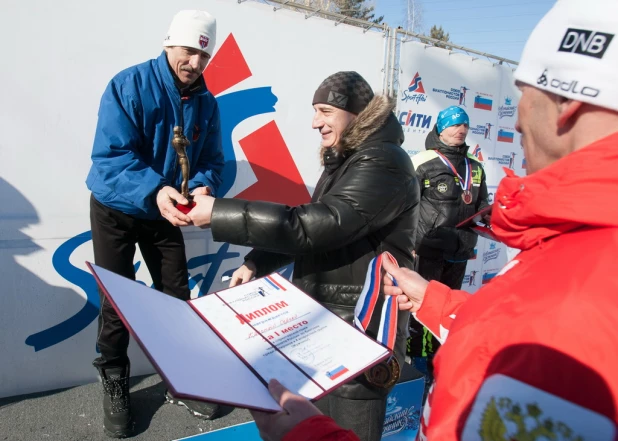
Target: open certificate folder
x,y
226,346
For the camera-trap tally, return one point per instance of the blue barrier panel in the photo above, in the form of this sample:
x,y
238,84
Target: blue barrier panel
x,y
403,411
241,432
401,423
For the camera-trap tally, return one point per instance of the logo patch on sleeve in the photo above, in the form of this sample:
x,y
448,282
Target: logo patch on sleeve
x,y
507,409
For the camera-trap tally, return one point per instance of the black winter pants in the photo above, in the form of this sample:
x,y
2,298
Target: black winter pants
x,y
114,236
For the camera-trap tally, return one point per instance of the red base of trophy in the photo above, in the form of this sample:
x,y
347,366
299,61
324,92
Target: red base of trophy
x,y
185,208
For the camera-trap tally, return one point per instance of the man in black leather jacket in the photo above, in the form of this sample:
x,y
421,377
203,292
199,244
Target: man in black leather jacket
x,y
365,202
453,189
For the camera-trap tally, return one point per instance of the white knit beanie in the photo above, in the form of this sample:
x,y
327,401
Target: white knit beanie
x,y
572,52
191,28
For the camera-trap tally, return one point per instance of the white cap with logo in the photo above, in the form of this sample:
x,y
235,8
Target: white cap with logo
x,y
191,28
572,52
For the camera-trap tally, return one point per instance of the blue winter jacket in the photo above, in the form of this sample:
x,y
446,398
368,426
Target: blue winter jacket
x,y
132,156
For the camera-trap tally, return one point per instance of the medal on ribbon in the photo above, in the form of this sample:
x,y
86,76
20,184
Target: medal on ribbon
x,y
465,184
386,373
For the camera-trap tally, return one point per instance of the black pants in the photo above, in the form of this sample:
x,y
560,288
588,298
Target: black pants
x,y
449,273
114,236
422,344
364,417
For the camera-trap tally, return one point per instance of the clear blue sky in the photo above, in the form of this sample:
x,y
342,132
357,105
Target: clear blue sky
x,y
499,27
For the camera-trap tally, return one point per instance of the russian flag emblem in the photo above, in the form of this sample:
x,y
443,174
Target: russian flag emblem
x,y
484,103
505,136
337,372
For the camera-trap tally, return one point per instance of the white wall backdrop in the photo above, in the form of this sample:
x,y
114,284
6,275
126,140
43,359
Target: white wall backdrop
x,y
59,58
266,69
432,79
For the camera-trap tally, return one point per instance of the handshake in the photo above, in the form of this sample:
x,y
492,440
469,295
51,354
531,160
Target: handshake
x,y
168,198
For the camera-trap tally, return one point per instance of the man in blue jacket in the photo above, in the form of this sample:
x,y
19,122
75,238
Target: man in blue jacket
x,y
135,178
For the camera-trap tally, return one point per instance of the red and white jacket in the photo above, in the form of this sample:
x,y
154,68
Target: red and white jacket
x,y
533,355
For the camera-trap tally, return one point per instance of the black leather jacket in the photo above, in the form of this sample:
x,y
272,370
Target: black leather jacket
x,y
365,202
442,206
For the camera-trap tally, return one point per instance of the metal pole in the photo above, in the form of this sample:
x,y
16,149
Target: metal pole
x,y
328,14
436,42
367,25
386,62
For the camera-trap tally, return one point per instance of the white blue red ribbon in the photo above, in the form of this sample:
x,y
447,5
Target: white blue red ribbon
x,y
465,184
367,301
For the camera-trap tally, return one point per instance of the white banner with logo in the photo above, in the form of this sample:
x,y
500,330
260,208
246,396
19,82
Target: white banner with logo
x,y
432,79
63,56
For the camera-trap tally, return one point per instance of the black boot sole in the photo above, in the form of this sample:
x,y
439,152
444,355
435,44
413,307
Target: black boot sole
x,y
121,432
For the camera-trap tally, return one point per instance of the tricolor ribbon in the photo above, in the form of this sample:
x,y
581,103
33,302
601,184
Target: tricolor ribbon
x,y
367,301
465,184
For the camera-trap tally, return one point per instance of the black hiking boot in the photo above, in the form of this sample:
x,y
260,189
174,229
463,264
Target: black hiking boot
x,y
118,421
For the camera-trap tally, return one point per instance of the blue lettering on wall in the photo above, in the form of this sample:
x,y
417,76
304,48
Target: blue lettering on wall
x,y
215,261
73,325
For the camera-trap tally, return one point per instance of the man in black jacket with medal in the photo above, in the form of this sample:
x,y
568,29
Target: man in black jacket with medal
x,y
453,189
365,202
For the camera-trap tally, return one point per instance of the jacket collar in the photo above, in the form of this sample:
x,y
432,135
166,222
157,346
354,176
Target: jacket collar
x,y
375,123
433,142
579,190
171,80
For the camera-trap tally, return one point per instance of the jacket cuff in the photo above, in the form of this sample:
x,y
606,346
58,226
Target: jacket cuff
x,y
192,189
156,191
430,312
316,428
193,184
228,222
255,256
